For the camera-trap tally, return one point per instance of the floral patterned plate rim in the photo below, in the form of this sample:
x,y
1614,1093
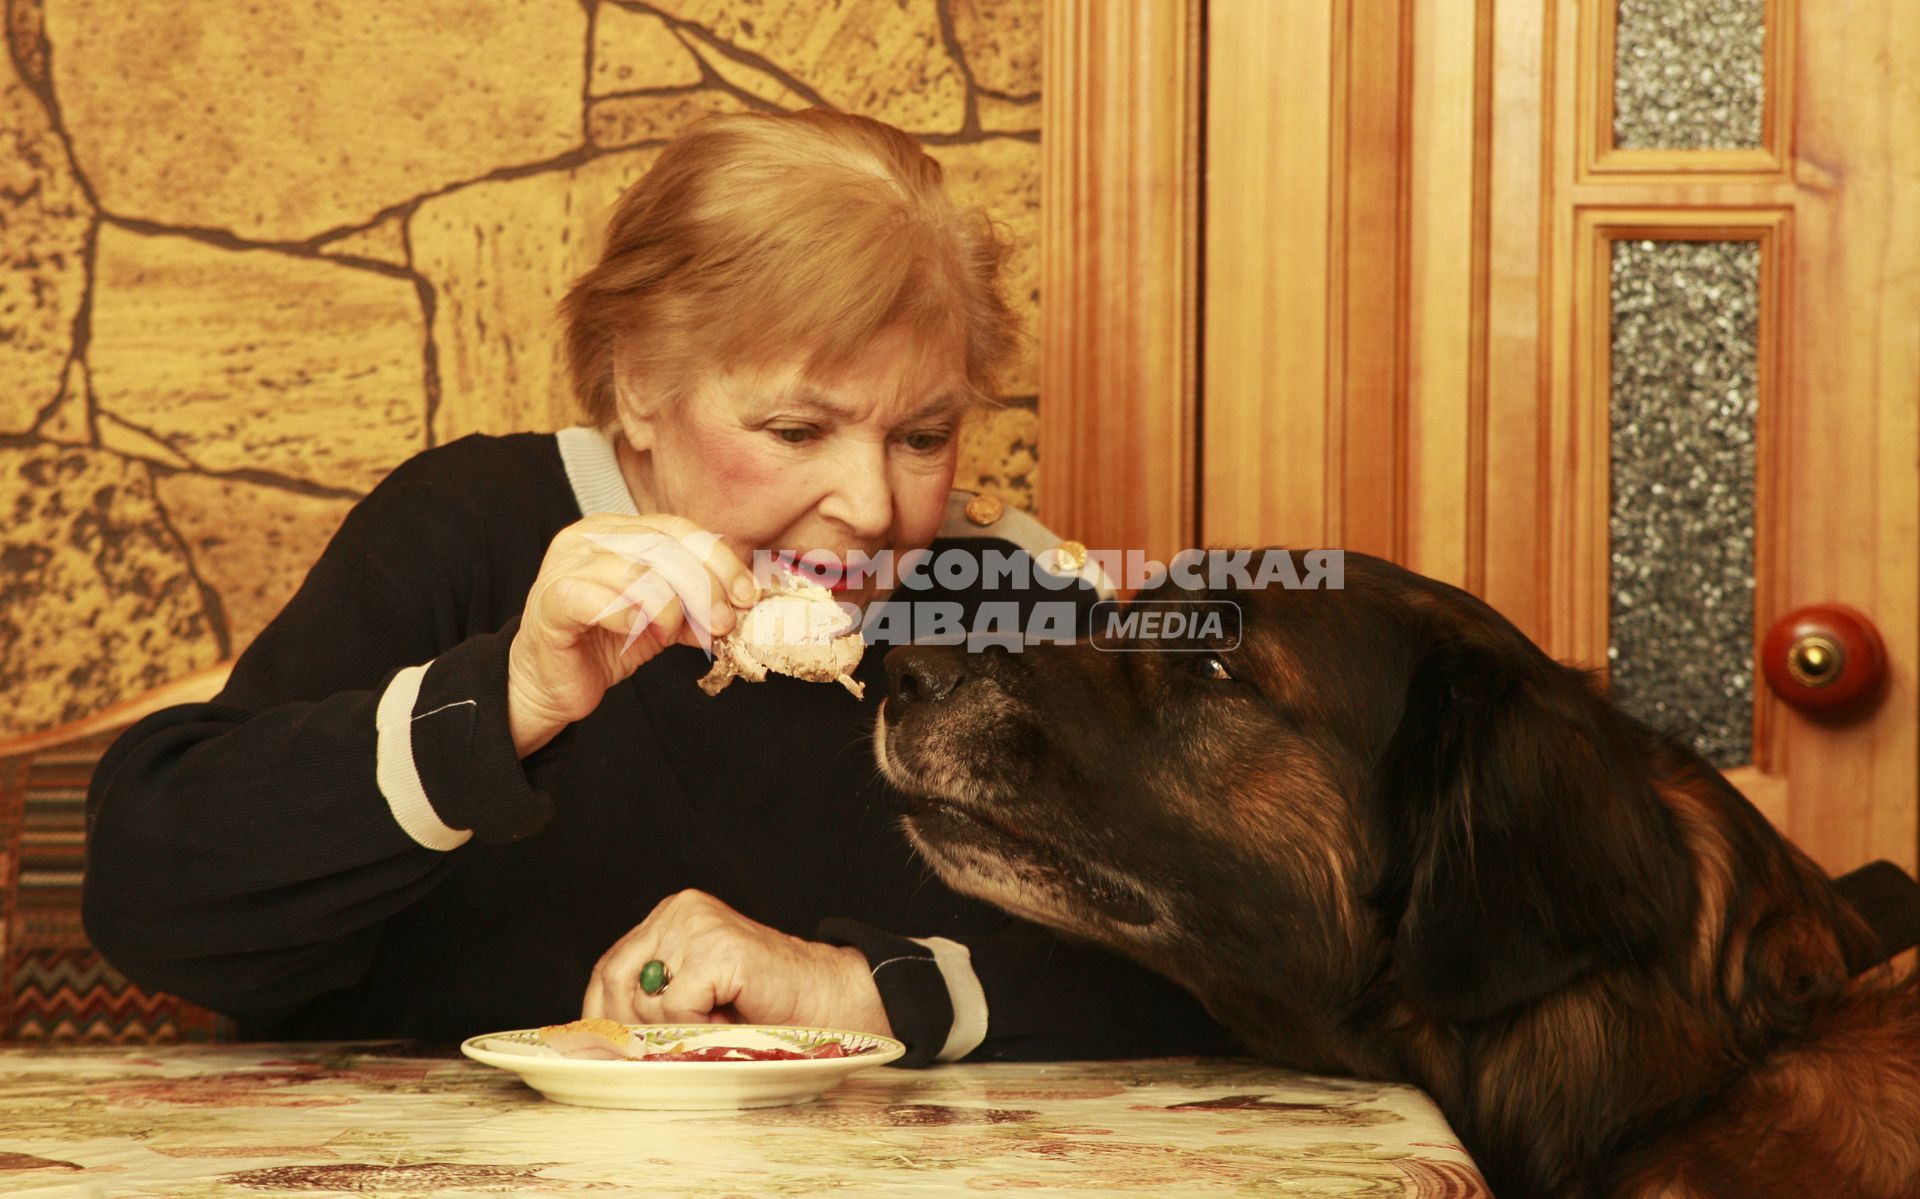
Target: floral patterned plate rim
x,y
688,1085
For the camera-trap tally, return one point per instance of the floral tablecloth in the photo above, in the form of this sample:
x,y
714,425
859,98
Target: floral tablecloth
x,y
217,1122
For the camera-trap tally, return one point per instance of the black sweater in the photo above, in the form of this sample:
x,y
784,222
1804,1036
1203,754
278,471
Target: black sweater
x,y
242,854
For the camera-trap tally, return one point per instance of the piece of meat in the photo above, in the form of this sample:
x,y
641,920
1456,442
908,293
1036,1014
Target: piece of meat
x,y
595,1038
796,629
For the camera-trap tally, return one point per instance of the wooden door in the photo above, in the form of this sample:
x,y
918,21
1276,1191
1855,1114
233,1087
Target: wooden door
x,y
1452,299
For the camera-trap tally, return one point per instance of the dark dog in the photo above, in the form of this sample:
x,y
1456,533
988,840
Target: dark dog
x,y
1386,836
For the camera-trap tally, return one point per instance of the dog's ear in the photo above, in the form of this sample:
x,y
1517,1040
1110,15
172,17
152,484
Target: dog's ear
x,y
1525,845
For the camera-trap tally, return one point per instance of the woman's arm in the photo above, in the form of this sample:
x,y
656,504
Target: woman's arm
x,y
1024,994
243,853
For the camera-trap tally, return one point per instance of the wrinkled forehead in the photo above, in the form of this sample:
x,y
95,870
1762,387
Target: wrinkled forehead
x,y
897,376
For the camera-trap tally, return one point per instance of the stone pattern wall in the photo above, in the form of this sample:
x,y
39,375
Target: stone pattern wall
x,y
254,256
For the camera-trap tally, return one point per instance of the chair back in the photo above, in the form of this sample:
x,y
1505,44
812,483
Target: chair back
x,y
55,988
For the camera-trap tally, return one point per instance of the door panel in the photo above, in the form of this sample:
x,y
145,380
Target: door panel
x,y
1420,321
1837,471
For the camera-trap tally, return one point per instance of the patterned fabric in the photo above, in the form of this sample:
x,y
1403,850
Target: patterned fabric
x,y
54,986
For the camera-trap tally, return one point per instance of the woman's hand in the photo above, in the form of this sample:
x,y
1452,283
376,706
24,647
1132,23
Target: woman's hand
x,y
724,968
602,578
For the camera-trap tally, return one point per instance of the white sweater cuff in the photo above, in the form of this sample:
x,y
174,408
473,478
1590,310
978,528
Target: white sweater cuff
x,y
968,997
394,769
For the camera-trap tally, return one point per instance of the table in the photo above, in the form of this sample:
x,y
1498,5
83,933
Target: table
x,y
219,1121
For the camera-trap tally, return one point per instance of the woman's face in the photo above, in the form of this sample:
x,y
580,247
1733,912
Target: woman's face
x,y
772,459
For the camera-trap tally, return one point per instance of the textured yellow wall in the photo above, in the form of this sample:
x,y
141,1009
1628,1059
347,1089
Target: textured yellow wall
x,y
252,256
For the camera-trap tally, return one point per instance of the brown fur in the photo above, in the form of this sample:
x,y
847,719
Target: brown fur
x,y
1400,842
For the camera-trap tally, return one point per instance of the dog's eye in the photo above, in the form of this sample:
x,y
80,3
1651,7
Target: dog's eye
x,y
1210,666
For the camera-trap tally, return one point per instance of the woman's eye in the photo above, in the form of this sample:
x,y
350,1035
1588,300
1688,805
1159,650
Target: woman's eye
x,y
796,436
927,442
1210,666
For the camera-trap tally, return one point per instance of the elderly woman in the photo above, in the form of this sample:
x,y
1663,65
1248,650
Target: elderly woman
x,y
450,790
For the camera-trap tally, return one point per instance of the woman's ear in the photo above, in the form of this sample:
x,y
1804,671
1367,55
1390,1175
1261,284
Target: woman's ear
x,y
1527,845
635,406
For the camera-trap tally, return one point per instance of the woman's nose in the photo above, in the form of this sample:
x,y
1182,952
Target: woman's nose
x,y
860,493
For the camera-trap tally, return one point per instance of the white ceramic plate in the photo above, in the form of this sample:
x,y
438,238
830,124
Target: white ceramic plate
x,y
687,1086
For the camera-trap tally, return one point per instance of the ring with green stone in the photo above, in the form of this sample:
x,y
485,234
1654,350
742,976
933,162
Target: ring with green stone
x,y
654,977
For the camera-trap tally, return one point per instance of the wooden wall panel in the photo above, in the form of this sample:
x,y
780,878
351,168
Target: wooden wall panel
x,y
1340,215
1267,421
1368,351
1315,244
1511,547
1448,240
1118,285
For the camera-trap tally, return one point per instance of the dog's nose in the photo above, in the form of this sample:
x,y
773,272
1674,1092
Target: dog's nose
x,y
923,674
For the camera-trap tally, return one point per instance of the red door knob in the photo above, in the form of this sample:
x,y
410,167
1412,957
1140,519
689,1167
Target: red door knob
x,y
1824,657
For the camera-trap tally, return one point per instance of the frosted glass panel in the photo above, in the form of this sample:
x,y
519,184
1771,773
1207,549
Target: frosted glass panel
x,y
1688,74
1686,332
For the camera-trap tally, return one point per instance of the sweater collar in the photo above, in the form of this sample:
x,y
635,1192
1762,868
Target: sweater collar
x,y
593,471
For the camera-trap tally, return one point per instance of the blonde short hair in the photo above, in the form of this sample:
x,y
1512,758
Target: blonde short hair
x,y
759,234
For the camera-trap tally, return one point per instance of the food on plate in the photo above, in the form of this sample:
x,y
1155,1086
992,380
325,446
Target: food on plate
x,y
594,1037
797,628
740,1053
599,1039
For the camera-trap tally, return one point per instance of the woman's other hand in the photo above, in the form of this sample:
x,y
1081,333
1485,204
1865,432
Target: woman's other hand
x,y
725,969
604,579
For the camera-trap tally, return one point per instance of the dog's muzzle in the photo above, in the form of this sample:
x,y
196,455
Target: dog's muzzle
x,y
923,676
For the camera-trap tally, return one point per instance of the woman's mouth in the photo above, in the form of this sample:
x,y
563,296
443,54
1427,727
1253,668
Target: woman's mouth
x,y
817,567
